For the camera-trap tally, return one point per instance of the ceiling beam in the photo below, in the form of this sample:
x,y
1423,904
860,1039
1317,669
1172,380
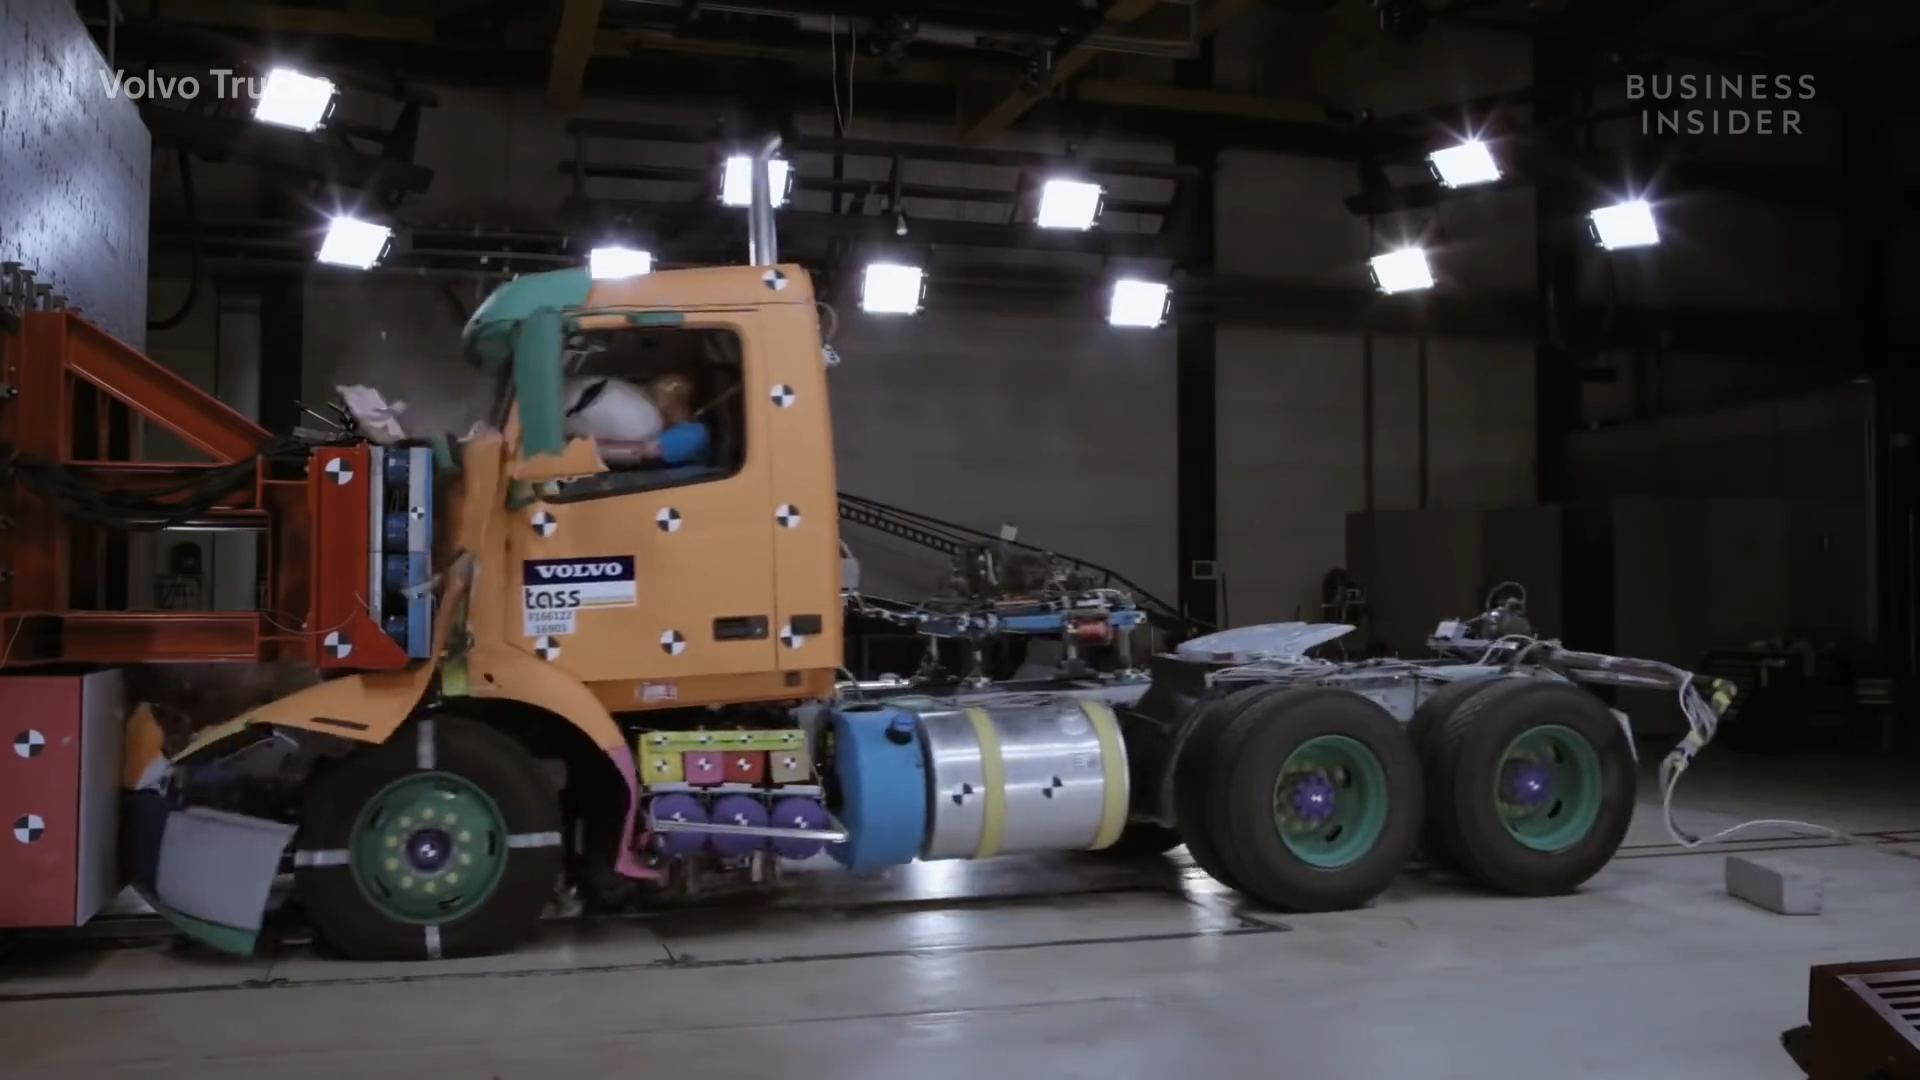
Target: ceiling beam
x,y
283,19
573,45
1211,102
880,231
309,157
1121,109
1009,107
641,131
828,185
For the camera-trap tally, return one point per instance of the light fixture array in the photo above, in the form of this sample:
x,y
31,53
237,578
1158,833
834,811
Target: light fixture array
x,y
1470,163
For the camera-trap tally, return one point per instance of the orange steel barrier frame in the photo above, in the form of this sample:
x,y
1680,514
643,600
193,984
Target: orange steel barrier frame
x,y
71,393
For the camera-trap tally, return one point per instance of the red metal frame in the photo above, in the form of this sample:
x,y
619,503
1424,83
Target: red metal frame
x,y
41,868
342,517
75,393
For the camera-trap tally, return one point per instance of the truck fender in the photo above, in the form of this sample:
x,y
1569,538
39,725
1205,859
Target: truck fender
x,y
167,849
364,708
503,671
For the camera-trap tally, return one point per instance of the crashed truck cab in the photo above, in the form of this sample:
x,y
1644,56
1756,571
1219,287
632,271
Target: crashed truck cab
x,y
719,585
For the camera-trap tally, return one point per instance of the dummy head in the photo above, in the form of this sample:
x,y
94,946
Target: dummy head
x,y
673,395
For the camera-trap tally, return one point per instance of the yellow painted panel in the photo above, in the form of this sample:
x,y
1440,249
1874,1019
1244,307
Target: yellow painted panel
x,y
807,555
501,671
661,767
701,553
707,287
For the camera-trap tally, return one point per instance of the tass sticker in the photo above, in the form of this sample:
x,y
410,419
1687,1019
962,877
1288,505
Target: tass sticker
x,y
555,590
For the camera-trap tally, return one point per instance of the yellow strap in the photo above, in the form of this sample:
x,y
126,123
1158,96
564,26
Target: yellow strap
x,y
1113,774
993,774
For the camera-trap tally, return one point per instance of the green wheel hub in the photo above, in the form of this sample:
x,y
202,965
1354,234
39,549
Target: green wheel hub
x,y
1330,802
1548,787
428,848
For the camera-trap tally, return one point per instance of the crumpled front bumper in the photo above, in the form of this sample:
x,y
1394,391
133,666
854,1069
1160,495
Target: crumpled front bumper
x,y
208,872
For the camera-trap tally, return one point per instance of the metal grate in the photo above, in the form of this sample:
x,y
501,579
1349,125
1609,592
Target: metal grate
x,y
1863,1022
1895,997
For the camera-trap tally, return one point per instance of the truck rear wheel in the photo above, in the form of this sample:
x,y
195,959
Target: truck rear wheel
x,y
444,841
1427,720
1443,703
1194,775
1533,786
1318,801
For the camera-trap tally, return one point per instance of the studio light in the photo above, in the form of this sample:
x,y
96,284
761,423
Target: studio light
x,y
1624,225
1465,165
613,263
291,100
1405,270
354,243
892,289
736,182
1068,204
1138,304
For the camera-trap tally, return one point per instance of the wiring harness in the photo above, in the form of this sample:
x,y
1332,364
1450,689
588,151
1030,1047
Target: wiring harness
x,y
164,506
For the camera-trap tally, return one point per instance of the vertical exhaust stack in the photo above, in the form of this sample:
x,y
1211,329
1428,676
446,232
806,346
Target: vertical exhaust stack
x,y
762,238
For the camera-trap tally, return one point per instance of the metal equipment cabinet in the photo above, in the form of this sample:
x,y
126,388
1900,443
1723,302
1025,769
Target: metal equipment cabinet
x,y
59,796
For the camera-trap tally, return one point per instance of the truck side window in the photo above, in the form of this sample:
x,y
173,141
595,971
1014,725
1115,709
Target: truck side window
x,y
663,404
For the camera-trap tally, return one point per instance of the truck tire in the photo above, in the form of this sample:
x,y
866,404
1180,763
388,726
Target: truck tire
x,y
1443,703
442,842
1533,786
1427,719
1318,802
1194,775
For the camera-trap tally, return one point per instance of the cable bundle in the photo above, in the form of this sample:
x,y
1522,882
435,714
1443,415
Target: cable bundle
x,y
72,493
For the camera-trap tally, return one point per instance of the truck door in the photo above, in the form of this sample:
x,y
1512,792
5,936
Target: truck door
x,y
658,571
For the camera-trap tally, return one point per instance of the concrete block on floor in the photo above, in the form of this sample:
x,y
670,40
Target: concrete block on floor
x,y
1776,885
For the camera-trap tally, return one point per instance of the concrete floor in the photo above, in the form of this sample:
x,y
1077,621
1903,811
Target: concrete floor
x,y
1061,968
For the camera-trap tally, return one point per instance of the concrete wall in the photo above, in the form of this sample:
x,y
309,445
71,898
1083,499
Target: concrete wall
x,y
1799,472
1060,428
1293,407
73,168
1424,566
1648,385
1293,449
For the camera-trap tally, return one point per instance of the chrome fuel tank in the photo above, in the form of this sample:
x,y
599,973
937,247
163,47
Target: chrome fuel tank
x,y
1013,778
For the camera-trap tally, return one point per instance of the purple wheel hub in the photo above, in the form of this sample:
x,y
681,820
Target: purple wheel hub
x,y
1526,784
680,808
1311,798
739,810
428,850
796,812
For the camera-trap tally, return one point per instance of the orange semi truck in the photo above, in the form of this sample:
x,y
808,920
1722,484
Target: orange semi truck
x,y
542,674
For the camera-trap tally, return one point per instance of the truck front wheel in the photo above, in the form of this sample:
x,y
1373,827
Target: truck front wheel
x,y
444,841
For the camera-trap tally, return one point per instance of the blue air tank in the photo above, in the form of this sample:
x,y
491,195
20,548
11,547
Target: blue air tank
x,y
882,778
